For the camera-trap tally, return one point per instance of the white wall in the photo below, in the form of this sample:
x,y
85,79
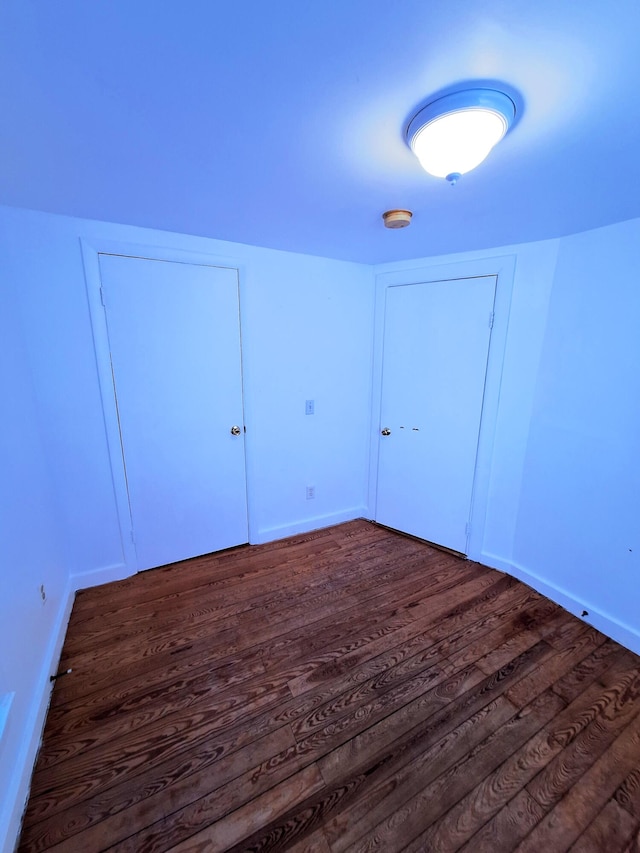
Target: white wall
x,y
307,334
30,628
578,526
561,490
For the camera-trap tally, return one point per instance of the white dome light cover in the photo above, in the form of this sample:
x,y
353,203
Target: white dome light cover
x,y
455,133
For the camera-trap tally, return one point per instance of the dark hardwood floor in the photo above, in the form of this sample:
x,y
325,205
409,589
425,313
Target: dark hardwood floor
x,y
346,690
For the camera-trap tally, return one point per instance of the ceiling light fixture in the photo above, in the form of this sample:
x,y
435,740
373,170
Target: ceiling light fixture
x,y
455,133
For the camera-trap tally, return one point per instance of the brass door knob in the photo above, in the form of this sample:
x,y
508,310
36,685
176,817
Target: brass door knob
x,y
235,430
385,431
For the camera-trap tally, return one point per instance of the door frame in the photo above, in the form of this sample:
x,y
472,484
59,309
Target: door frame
x,y
503,267
91,251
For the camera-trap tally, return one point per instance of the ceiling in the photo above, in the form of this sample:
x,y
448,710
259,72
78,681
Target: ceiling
x,y
282,123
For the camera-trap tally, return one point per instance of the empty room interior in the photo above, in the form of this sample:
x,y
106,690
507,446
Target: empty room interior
x,y
321,440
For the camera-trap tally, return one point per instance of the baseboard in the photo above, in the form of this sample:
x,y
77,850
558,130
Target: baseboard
x,y
618,631
18,792
270,534
105,574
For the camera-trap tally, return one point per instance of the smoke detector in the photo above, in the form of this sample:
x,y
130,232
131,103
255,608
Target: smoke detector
x,y
397,218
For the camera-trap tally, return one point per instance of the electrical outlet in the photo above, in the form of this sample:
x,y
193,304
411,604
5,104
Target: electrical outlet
x,y
309,407
311,492
43,594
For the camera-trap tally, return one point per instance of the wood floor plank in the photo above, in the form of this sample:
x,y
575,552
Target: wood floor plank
x,y
61,786
585,737
199,814
193,813
582,642
235,827
221,646
634,844
418,633
342,690
490,796
498,788
234,562
64,751
339,629
507,650
396,734
393,724
314,843
197,706
134,694
612,830
303,588
253,571
407,818
146,798
344,798
570,817
597,663
510,825
501,614
509,629
395,764
407,641
197,693
107,762
225,710
628,794
350,685
226,643
358,576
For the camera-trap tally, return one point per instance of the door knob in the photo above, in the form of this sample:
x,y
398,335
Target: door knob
x,y
235,430
385,431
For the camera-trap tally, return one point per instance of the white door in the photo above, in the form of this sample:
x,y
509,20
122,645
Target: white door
x,y
174,338
436,345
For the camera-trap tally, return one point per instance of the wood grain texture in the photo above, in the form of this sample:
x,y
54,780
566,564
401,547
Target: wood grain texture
x,y
349,689
572,814
509,826
411,818
612,830
314,843
634,845
628,794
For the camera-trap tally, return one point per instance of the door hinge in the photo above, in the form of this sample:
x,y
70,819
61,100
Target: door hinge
x,y
104,305
133,538
467,529
491,319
